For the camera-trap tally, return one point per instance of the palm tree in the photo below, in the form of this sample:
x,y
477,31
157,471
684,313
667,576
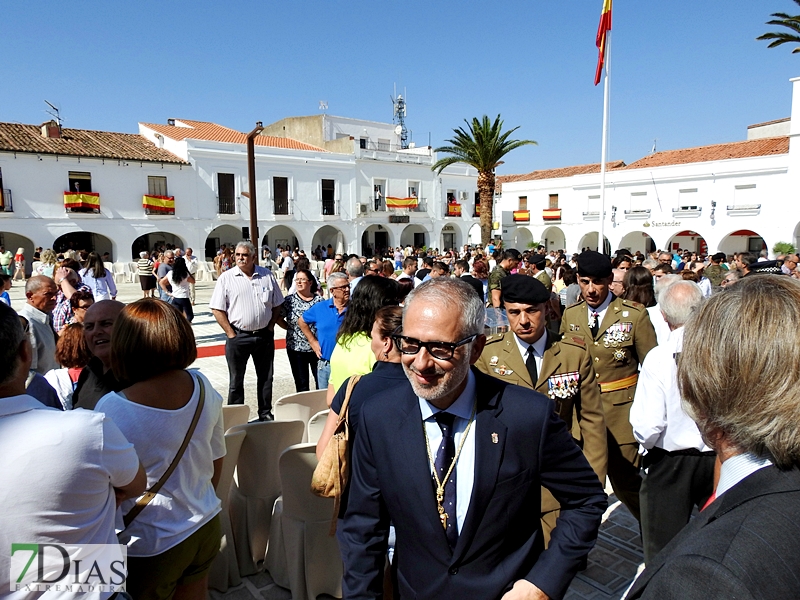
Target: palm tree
x,y
483,146
778,38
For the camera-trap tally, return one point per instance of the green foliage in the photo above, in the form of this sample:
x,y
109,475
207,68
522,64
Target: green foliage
x,y
792,23
783,248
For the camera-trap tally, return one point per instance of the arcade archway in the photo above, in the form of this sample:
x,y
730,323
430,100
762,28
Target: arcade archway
x,y
13,242
224,234
282,236
687,240
85,241
638,241
414,235
589,241
160,240
375,241
742,240
553,238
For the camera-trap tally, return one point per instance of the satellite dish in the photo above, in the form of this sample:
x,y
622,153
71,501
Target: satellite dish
x,y
398,130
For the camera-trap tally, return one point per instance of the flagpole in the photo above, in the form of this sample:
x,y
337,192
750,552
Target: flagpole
x,y
601,247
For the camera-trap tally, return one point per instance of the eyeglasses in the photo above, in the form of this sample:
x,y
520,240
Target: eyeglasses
x,y
438,350
301,280
341,287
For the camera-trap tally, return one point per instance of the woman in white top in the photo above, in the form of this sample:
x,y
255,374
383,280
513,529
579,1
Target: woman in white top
x,y
98,278
179,279
175,538
48,263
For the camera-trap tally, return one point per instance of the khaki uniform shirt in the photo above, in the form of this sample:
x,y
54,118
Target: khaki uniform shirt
x,y
568,378
623,339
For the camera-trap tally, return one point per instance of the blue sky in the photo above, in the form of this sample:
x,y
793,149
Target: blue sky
x,y
684,73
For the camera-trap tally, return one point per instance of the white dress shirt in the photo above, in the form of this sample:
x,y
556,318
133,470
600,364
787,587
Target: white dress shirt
x,y
248,301
538,350
600,310
736,468
465,467
657,416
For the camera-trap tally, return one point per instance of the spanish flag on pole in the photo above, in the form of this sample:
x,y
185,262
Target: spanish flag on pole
x,y
602,37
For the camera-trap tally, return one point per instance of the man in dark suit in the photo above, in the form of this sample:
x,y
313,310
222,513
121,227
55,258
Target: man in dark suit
x,y
461,269
745,544
456,466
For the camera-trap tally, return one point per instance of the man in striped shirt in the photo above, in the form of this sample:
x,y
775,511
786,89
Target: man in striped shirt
x,y
246,303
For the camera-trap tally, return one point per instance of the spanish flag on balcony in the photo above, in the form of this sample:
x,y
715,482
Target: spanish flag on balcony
x,y
392,202
453,210
551,214
81,200
602,38
522,215
159,204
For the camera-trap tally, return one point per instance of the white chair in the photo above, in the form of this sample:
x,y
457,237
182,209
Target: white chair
x,y
258,486
303,546
300,407
118,271
235,414
316,424
225,570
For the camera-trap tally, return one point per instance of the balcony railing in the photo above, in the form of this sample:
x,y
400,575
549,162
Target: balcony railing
x,y
282,206
328,208
7,206
226,205
82,202
641,213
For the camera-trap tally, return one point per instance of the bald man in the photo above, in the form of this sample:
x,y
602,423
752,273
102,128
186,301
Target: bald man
x,y
96,379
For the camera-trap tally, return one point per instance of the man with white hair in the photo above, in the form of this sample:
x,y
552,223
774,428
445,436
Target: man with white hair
x,y
659,323
246,303
678,465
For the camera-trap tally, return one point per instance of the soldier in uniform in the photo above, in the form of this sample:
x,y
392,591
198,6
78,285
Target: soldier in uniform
x,y
509,261
619,335
561,370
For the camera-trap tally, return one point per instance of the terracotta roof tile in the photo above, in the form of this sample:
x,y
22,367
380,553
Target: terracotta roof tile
x,y
555,173
203,130
17,137
746,149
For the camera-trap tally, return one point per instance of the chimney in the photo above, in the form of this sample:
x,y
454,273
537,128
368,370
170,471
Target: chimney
x,y
170,121
50,129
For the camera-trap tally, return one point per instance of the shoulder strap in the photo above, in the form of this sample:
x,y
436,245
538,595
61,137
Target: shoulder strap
x,y
145,498
346,402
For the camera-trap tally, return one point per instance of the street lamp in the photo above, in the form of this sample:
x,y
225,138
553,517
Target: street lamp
x,y
251,181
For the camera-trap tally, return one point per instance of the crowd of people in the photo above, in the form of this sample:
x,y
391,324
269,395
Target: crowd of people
x,y
639,368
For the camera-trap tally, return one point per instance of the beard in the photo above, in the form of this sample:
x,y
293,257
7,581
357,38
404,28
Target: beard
x,y
448,382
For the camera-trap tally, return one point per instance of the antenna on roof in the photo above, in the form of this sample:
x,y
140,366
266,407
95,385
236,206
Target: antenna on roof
x,y
54,113
323,105
399,118
653,151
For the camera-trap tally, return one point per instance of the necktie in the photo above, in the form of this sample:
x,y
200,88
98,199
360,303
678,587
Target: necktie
x,y
444,458
530,362
596,326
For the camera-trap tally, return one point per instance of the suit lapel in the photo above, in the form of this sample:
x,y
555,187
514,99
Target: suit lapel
x,y
513,359
611,317
488,456
551,362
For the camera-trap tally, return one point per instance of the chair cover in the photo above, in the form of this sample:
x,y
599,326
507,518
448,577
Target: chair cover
x,y
310,554
224,570
300,407
258,486
235,414
316,424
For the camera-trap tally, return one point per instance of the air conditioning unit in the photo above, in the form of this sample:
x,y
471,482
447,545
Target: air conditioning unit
x,y
362,209
464,196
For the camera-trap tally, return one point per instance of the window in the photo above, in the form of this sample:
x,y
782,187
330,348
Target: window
x,y
80,181
328,197
744,194
157,186
639,201
363,143
413,189
5,197
378,194
523,203
281,187
226,194
553,201
384,145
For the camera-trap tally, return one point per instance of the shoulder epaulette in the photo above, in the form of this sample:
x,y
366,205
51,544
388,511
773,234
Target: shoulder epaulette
x,y
633,304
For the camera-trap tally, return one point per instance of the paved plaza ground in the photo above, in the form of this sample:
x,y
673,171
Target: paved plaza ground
x,y
613,564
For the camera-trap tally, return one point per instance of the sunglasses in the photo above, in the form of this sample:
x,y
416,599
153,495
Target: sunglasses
x,y
438,350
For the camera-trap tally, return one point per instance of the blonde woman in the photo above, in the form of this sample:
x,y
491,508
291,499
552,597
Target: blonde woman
x,y
48,263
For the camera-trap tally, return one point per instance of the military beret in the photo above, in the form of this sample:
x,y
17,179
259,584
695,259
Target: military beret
x,y
594,264
765,266
523,289
719,256
536,259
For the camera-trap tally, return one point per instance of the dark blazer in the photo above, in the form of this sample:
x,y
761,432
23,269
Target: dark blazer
x,y
520,445
476,285
746,545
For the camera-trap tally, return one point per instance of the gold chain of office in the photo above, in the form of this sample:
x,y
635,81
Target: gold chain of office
x,y
441,483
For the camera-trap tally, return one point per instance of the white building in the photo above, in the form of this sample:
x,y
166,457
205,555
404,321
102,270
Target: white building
x,y
726,197
332,189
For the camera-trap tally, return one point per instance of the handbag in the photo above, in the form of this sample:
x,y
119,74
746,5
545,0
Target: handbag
x,y
145,498
333,470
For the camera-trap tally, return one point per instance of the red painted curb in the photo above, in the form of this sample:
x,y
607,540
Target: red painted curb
x,y
219,349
